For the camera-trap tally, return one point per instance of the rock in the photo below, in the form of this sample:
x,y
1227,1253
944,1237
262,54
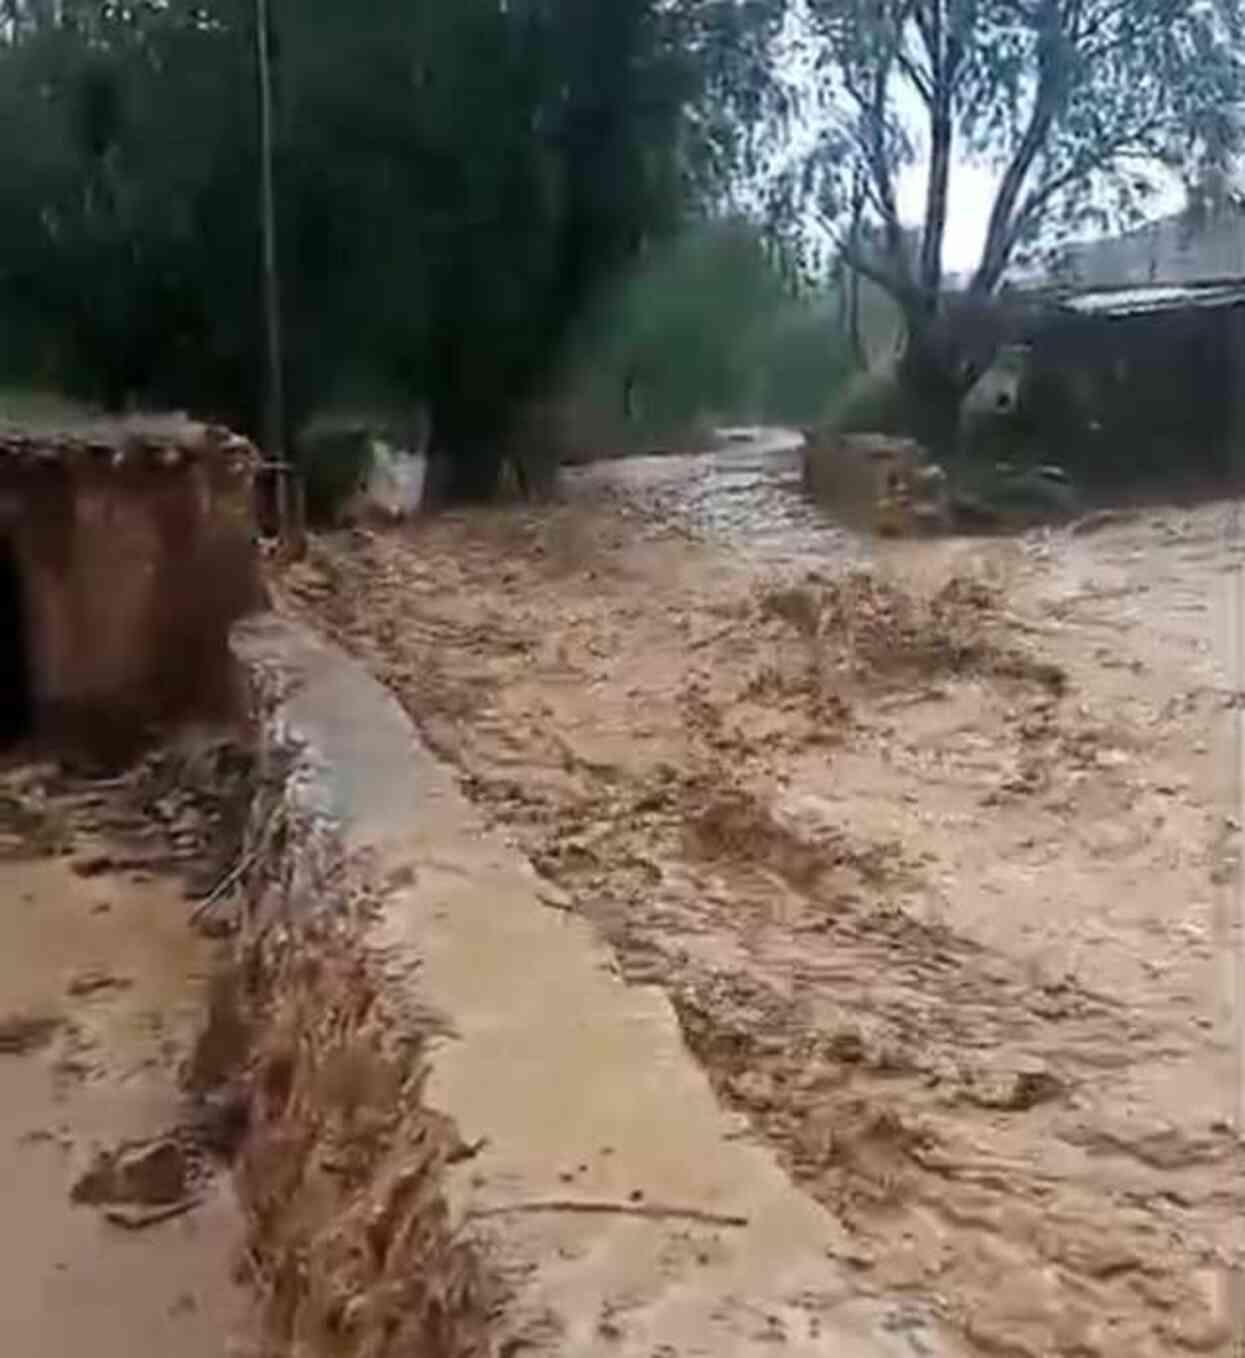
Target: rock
x,y
1018,1091
848,1046
144,1174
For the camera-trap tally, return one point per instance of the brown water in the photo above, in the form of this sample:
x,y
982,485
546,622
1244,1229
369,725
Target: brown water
x,y
745,497
955,941
113,968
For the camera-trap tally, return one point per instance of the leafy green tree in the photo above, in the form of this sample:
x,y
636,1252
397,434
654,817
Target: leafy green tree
x,y
125,154
455,184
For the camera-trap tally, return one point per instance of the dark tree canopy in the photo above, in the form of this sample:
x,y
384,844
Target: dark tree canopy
x,y
459,185
454,183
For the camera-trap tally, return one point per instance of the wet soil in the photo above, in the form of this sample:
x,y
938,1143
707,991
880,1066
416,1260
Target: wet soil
x,y
101,989
929,843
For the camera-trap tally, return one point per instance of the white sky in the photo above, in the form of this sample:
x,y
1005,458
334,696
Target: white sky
x,y
969,199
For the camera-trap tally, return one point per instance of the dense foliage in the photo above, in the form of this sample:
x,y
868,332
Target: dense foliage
x,y
455,182
481,202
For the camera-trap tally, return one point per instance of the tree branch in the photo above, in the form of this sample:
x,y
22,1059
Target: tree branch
x,y
877,163
1046,102
932,27
852,290
1040,196
895,285
873,107
1102,21
921,81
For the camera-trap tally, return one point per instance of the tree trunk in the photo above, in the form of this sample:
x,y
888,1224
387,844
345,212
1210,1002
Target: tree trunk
x,y
936,200
933,386
860,350
1001,232
476,472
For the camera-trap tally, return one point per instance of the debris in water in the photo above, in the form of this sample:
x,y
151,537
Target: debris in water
x,y
94,981
139,1218
21,1034
656,1210
143,1174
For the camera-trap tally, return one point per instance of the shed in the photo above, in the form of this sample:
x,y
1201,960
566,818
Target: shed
x,y
127,551
1140,380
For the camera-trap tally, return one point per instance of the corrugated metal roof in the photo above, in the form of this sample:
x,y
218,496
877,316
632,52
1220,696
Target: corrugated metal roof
x,y
1156,298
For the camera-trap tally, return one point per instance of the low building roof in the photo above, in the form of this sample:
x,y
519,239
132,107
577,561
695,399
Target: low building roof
x,y
1156,298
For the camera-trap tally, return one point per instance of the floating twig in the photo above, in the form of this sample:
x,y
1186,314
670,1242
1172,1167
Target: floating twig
x,y
138,1219
237,872
224,886
656,1210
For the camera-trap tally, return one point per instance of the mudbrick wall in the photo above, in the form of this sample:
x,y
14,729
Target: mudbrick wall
x,y
134,554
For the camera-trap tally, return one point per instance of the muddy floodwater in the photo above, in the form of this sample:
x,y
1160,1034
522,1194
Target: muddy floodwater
x,y
929,844
101,990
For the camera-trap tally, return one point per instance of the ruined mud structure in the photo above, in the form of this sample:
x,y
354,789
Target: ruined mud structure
x,y
126,552
876,482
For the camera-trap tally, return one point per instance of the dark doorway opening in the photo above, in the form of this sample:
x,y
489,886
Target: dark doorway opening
x,y
16,698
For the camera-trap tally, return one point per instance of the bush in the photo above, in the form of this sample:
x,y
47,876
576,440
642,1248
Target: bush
x,y
871,402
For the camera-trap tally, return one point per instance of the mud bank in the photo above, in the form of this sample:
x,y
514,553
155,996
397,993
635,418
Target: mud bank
x,y
468,1134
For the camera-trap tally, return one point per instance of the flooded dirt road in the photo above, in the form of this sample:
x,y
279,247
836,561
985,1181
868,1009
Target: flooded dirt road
x,y
101,988
927,842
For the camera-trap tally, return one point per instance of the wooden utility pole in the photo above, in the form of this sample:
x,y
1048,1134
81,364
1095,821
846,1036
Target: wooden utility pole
x,y
274,403
288,488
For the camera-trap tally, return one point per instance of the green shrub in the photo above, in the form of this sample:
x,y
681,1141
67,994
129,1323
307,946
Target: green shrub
x,y
871,402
